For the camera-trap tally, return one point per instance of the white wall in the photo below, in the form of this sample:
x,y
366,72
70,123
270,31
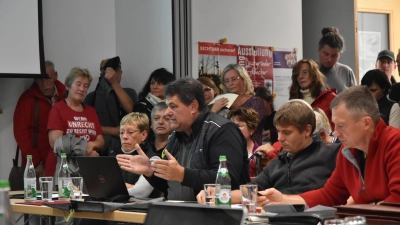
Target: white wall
x,y
79,33
257,22
144,39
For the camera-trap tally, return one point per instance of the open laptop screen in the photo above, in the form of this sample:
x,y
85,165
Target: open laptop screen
x,y
167,213
103,179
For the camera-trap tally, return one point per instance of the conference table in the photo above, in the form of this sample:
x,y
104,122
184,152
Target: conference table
x,y
121,216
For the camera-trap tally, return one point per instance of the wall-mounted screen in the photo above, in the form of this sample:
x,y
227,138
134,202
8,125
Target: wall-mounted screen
x,y
21,39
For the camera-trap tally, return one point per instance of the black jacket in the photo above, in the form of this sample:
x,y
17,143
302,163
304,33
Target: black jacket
x,y
215,136
308,170
385,105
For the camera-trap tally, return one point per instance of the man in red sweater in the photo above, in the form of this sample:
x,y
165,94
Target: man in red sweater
x,y
46,91
368,164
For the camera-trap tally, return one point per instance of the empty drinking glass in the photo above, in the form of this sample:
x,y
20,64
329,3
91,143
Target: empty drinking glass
x,y
75,187
248,194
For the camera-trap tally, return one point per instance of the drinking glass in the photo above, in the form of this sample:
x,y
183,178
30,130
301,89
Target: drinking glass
x,y
75,187
210,191
248,194
46,187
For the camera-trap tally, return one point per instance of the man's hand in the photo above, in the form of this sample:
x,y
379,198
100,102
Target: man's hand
x,y
219,104
266,135
139,164
110,76
168,169
271,196
201,198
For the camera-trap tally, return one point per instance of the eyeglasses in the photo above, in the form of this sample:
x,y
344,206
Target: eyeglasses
x,y
227,81
207,89
130,132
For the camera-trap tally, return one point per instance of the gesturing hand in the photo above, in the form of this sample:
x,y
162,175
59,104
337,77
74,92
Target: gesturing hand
x,y
110,75
168,169
139,164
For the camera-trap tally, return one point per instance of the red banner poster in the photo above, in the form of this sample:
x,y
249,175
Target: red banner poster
x,y
214,57
258,61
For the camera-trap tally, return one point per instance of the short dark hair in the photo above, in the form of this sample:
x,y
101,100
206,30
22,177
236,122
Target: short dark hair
x,y
378,77
332,38
264,94
187,89
160,75
358,102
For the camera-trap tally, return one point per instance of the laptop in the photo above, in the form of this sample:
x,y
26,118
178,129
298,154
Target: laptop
x,y
103,178
169,213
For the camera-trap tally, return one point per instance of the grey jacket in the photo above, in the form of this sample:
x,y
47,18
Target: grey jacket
x,y
72,146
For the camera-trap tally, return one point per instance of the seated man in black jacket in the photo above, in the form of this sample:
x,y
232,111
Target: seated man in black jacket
x,y
303,164
192,158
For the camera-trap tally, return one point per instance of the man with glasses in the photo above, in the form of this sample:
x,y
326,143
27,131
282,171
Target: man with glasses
x,y
112,103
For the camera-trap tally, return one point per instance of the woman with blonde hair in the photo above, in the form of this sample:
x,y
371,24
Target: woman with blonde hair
x,y
308,83
74,116
323,128
236,80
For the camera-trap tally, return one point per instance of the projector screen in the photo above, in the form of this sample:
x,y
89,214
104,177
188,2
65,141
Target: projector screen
x,y
21,39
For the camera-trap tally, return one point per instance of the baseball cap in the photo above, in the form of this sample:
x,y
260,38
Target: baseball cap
x,y
386,53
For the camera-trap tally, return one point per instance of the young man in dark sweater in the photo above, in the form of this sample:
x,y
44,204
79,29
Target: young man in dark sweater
x,y
303,164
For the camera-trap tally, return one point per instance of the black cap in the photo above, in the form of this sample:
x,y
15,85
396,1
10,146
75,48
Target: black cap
x,y
114,63
386,53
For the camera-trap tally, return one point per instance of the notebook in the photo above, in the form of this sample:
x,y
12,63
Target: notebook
x,y
169,213
103,179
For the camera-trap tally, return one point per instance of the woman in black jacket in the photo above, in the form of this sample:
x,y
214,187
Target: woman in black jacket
x,y
153,91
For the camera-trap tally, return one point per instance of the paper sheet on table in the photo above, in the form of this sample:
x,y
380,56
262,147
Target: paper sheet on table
x,y
230,96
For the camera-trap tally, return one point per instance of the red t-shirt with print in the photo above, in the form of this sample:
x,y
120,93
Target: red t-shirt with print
x,y
83,124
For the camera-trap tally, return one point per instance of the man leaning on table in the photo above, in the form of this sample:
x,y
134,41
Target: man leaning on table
x,y
192,155
367,168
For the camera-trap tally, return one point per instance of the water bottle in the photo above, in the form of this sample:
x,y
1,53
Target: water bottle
x,y
6,215
224,194
29,181
63,179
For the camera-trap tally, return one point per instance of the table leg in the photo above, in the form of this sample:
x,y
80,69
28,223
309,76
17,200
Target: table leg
x,y
52,220
26,219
